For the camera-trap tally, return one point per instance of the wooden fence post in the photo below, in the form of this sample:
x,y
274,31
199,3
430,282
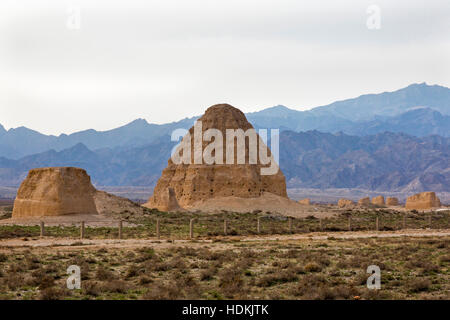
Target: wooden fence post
x,y
225,227
404,221
258,225
350,223
191,228
42,229
290,224
120,229
82,230
158,234
429,220
320,224
377,224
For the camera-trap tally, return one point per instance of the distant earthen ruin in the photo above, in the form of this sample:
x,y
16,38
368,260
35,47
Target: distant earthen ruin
x,y
421,201
53,192
379,201
364,201
305,201
342,203
391,201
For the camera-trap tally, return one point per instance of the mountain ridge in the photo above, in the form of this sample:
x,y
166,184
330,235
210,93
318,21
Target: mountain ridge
x,y
312,159
382,112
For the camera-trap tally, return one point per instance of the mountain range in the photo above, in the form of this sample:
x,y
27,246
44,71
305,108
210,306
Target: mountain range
x,y
393,141
312,159
418,110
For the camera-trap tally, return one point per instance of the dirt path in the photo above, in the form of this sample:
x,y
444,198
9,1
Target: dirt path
x,y
136,243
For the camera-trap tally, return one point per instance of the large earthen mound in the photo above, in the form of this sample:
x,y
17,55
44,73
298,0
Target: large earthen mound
x,y
55,192
424,200
65,196
184,184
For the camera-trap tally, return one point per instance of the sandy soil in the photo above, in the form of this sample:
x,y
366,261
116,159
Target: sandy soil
x,y
266,203
111,208
91,220
137,243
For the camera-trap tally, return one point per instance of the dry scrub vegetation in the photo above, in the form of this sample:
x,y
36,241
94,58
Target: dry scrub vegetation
x,y
176,225
411,268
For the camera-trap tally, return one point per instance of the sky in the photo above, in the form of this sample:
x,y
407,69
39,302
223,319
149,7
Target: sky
x,y
67,66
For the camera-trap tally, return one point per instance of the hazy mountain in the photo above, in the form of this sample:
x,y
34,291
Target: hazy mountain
x,y
19,142
385,162
388,109
418,122
418,109
389,104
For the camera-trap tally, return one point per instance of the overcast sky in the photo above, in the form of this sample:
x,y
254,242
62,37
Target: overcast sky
x,y
167,60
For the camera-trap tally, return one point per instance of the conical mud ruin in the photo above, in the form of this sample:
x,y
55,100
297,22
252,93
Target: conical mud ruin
x,y
213,161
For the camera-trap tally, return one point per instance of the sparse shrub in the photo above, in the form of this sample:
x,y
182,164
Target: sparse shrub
x,y
160,291
52,293
444,259
276,278
13,281
419,285
104,274
143,280
90,288
208,274
45,282
231,282
115,286
132,271
3,257
313,267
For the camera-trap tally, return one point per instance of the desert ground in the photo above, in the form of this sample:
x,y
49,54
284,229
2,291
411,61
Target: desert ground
x,y
315,258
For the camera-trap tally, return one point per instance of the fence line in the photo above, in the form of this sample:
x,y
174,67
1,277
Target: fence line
x,y
288,225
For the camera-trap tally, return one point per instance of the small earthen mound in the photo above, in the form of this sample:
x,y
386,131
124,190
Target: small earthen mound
x,y
54,192
306,201
364,201
424,200
379,201
345,203
391,201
